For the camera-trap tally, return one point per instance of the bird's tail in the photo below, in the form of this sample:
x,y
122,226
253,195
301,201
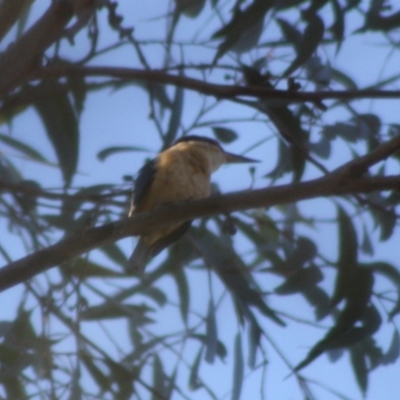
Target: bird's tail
x,y
140,257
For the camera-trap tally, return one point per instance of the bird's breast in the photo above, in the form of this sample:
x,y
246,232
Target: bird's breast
x,y
178,177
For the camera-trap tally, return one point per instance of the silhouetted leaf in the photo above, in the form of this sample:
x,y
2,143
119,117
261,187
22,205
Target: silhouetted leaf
x,y
224,135
194,381
360,368
322,148
300,280
343,79
312,37
221,257
337,27
386,220
291,34
254,341
348,249
109,151
238,368
84,269
175,117
114,253
77,86
102,379
113,309
220,349
24,148
183,290
242,32
190,8
393,352
212,334
55,109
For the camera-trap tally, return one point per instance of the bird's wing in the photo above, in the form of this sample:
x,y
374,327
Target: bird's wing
x,y
144,180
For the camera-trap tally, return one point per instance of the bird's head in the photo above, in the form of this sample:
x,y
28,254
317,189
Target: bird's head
x,y
210,150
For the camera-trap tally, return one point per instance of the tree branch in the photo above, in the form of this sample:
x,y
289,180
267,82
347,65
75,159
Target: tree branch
x,y
19,59
330,185
222,91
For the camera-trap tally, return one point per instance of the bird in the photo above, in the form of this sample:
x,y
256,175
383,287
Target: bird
x,y
182,172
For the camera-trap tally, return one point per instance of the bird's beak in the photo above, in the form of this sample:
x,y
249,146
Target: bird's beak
x,y
235,158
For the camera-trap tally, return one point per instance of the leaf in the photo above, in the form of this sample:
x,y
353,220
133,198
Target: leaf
x,y
54,107
290,33
386,219
158,379
78,89
102,379
112,150
337,27
176,115
183,290
194,381
114,253
238,369
313,34
244,29
393,353
190,8
24,148
300,281
222,258
254,341
322,148
212,334
84,269
343,79
113,309
360,368
220,349
224,135
348,254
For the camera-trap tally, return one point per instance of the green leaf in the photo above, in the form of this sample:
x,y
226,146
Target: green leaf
x,y
102,155
24,148
238,368
54,107
224,135
212,334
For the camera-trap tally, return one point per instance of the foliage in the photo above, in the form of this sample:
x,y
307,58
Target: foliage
x,y
267,75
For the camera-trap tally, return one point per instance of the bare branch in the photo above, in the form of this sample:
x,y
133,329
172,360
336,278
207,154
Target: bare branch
x,y
31,265
221,91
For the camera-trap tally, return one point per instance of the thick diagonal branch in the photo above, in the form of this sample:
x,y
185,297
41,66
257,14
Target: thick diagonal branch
x,y
89,239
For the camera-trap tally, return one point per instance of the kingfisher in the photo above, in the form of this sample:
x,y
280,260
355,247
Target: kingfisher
x,y
180,173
